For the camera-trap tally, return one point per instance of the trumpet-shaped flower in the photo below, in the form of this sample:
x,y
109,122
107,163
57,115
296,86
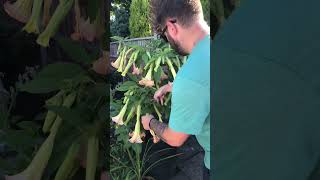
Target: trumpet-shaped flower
x,y
32,25
100,66
54,23
36,168
76,36
123,60
131,61
46,12
135,70
119,118
19,10
130,115
136,135
155,138
87,29
147,80
116,64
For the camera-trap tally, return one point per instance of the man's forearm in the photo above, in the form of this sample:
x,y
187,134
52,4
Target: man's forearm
x,y
159,128
166,134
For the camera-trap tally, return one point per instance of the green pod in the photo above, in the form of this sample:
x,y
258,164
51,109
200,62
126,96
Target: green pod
x,y
168,99
147,65
157,64
54,23
177,62
173,71
130,115
148,54
131,61
92,157
158,112
118,61
123,58
32,25
51,116
67,102
46,11
70,161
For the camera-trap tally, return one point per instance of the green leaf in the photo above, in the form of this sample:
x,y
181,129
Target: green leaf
x,y
51,78
137,148
101,89
41,85
157,75
77,116
19,140
117,38
74,50
133,77
29,125
126,86
145,58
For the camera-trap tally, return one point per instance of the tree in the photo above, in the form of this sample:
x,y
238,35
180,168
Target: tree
x,y
206,10
139,24
220,10
119,26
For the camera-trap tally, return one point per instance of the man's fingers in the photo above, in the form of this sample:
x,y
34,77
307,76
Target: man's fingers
x,y
161,99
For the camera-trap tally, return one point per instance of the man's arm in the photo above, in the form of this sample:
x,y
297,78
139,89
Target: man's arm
x,y
168,135
164,132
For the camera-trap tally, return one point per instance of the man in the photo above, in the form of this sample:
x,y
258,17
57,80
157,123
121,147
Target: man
x,y
266,92
181,23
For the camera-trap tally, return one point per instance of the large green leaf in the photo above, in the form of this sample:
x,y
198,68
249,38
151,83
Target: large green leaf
x,y
52,77
41,85
78,116
157,75
126,86
74,50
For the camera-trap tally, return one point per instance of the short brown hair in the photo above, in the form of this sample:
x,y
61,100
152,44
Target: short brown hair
x,y
185,11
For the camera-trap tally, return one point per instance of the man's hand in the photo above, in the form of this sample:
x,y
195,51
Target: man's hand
x,y
145,120
161,92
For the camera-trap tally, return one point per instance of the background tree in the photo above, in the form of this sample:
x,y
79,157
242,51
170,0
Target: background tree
x,y
119,24
139,24
119,18
206,10
220,10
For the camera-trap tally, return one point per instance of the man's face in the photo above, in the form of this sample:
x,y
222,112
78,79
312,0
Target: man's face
x,y
176,45
174,42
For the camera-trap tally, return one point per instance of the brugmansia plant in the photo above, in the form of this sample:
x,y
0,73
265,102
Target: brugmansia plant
x,y
75,122
147,69
39,20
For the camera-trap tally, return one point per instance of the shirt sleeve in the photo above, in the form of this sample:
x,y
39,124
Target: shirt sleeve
x,y
190,106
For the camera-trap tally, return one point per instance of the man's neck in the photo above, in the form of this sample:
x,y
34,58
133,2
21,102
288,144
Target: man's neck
x,y
198,31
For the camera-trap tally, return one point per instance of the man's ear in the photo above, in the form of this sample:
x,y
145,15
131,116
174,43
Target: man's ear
x,y
172,29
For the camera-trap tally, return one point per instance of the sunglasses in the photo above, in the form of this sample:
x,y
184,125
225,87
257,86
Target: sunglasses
x,y
162,34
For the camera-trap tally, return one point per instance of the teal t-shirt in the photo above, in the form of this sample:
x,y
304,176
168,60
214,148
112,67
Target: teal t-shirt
x,y
190,108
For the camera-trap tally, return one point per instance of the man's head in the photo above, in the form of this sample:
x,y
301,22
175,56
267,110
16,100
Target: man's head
x,y
174,21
